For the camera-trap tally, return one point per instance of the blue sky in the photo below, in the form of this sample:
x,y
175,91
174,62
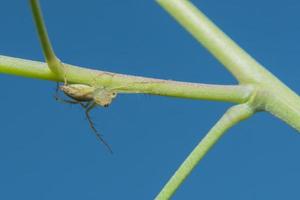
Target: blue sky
x,y
48,151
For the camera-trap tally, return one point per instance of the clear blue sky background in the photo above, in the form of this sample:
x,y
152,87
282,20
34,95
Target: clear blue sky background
x,y
47,150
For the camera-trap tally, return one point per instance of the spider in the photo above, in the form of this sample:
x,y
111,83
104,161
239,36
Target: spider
x,y
88,97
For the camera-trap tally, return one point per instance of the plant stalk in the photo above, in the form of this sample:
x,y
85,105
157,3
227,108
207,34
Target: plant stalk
x,y
53,62
126,83
233,115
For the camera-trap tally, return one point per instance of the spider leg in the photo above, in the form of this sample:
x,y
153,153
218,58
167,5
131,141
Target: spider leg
x,y
88,107
59,99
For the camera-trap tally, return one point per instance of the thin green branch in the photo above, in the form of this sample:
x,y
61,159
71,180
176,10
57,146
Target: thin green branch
x,y
50,57
128,84
234,115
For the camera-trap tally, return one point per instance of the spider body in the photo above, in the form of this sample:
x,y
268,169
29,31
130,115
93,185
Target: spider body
x,y
85,93
79,92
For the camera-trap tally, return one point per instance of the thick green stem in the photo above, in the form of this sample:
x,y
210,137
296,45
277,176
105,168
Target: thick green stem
x,y
234,115
126,83
233,57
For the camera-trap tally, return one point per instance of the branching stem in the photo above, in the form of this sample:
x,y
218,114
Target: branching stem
x,y
50,57
259,90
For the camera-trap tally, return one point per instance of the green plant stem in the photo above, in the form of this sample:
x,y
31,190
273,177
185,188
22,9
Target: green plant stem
x,y
234,58
53,62
128,84
259,90
272,95
233,115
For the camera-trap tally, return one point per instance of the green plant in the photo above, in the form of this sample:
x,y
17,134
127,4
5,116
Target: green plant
x,y
258,90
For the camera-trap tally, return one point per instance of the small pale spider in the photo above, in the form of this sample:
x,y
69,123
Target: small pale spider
x,y
88,97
